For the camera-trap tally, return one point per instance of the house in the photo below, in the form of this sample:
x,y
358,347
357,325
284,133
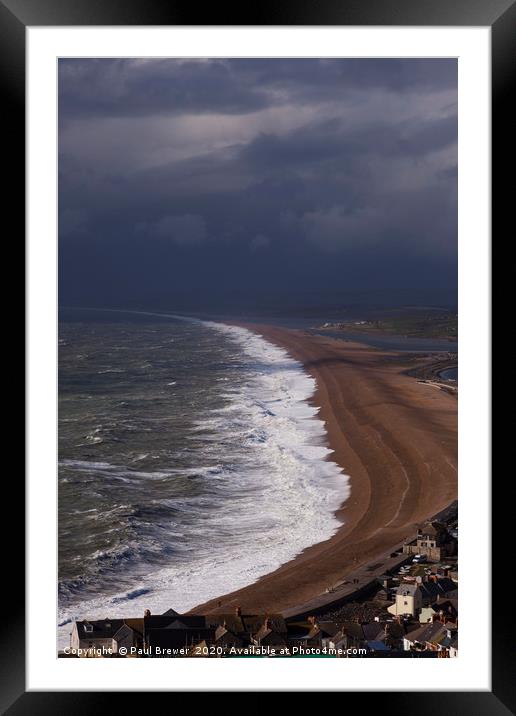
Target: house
x,y
432,540
443,610
174,621
325,634
227,639
89,638
129,635
168,613
408,600
303,633
447,609
431,637
312,632
246,624
355,633
268,636
176,639
339,640
374,631
328,630
388,633
351,635
173,632
395,633
435,588
426,615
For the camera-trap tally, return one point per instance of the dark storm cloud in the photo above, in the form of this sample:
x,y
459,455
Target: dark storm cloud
x,y
121,87
118,87
245,173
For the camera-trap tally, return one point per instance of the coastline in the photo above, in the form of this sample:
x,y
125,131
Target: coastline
x,y
395,439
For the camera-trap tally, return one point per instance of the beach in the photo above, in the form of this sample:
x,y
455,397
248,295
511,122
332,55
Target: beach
x,y
394,436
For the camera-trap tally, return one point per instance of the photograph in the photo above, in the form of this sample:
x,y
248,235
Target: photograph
x,y
258,357
253,458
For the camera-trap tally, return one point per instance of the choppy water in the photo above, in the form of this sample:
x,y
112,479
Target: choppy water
x,y
190,464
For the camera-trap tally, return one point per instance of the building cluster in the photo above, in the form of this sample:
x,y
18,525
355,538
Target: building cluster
x,y
218,635
415,615
342,325
424,593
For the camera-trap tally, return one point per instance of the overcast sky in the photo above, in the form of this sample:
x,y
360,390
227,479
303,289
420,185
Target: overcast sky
x,y
269,175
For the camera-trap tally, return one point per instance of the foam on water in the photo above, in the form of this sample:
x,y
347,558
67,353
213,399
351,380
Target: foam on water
x,y
272,515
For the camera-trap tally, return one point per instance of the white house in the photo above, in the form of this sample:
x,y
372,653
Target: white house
x,y
408,601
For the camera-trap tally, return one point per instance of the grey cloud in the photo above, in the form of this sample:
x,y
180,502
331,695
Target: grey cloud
x,y
242,172
337,227
117,87
413,224
259,242
185,230
114,87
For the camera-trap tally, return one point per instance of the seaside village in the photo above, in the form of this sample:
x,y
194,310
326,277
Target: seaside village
x,y
407,610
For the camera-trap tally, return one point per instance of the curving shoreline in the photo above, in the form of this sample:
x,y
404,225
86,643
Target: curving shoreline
x,y
395,439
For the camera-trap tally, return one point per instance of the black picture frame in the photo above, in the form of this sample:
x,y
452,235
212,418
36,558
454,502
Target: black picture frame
x,y
500,15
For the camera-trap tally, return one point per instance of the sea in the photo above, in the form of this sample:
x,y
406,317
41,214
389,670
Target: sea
x,y
191,462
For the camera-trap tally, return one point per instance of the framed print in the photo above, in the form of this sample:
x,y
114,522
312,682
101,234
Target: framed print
x,y
252,246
